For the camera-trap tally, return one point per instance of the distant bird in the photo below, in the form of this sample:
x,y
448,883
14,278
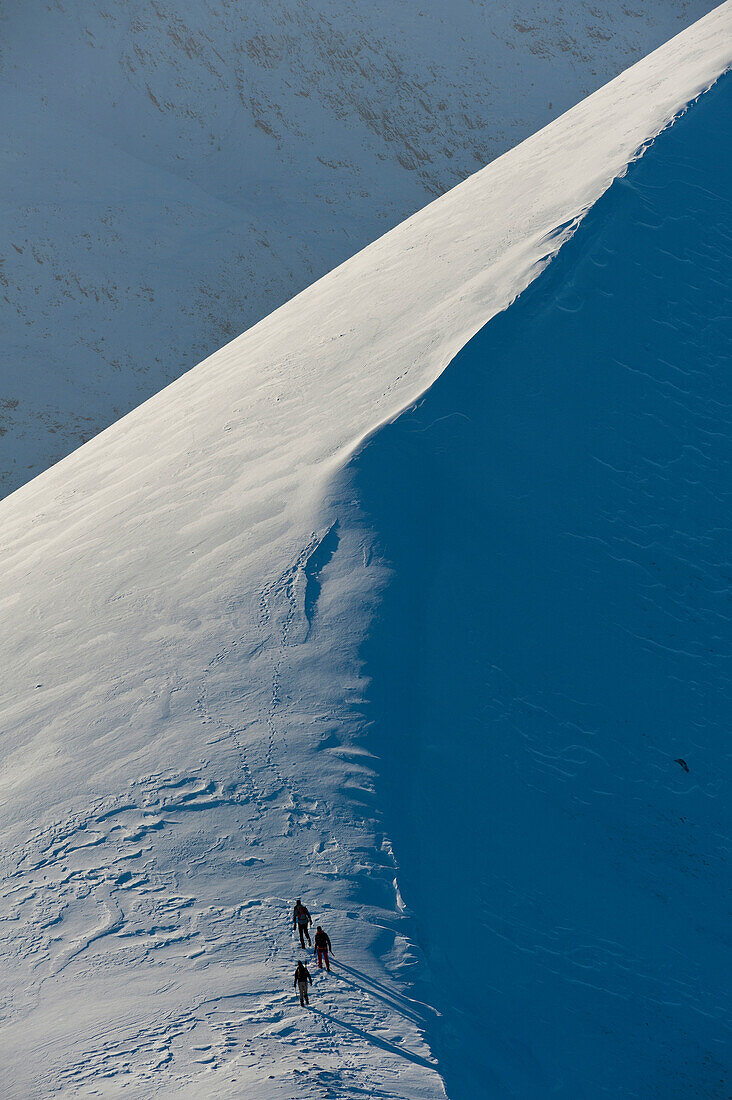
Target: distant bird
x,y
683,763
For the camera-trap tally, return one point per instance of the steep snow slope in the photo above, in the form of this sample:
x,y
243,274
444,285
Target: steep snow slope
x,y
183,735
173,171
555,642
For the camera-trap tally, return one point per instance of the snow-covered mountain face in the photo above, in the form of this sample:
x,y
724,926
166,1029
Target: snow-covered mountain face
x,y
172,172
185,710
549,688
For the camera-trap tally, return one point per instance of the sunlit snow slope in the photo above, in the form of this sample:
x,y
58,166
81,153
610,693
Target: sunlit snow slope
x,y
173,170
550,666
184,711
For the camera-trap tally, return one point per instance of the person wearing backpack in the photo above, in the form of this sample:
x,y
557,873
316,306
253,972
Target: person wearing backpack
x,y
322,947
302,977
300,920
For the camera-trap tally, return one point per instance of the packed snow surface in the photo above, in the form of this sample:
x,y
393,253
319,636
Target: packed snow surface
x,y
174,170
185,711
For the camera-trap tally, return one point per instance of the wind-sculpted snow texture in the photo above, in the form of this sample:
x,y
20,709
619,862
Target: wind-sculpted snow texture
x,y
184,740
550,666
174,170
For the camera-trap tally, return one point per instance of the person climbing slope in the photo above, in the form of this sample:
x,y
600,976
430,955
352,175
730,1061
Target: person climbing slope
x,y
300,920
322,947
302,977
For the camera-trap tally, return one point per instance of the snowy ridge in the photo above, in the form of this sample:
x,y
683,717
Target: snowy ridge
x,y
547,687
174,171
182,735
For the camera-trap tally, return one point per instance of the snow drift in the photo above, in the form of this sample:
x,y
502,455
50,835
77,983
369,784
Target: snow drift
x,y
184,733
549,690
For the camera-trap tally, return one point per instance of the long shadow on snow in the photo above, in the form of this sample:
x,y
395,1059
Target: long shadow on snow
x,y
382,1044
556,640
393,999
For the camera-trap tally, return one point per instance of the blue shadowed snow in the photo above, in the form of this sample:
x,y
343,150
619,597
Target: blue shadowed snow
x,y
556,639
